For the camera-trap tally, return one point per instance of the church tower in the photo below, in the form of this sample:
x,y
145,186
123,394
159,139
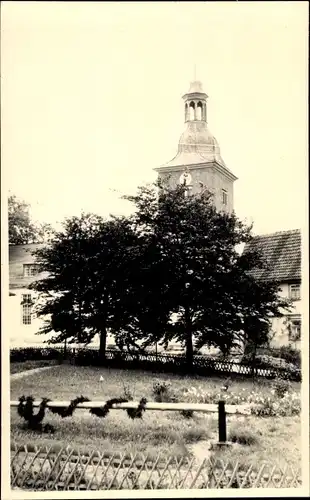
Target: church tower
x,y
198,162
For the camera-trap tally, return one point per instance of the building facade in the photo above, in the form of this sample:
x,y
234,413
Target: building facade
x,y
282,254
198,162
22,319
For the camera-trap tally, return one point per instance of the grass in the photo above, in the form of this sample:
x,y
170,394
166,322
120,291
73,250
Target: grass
x,y
18,367
276,439
168,433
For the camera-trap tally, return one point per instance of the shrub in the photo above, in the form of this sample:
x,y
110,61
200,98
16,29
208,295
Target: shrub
x,y
286,352
287,406
162,391
280,387
291,355
127,392
187,413
20,355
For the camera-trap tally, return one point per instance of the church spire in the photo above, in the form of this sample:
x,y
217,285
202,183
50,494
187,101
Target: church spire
x,y
195,102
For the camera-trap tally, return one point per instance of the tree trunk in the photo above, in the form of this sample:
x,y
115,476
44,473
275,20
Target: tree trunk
x,y
189,351
103,343
80,323
189,342
65,350
254,361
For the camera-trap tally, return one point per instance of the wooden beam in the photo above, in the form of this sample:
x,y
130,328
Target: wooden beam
x,y
199,407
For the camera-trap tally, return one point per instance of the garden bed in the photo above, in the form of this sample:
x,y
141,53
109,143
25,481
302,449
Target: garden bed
x,y
158,432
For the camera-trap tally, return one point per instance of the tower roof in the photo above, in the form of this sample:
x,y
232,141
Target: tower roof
x,y
197,145
195,88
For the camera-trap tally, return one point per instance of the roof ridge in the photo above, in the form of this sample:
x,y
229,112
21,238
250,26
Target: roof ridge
x,y
288,231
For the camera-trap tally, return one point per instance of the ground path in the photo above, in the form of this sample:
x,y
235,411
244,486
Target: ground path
x,y
201,450
23,374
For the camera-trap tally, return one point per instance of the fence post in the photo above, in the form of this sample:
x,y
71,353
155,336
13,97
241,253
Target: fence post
x,y
73,356
222,422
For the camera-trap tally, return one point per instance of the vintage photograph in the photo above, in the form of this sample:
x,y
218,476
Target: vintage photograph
x,y
154,243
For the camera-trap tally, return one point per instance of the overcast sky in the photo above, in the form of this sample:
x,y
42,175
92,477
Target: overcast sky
x,y
92,101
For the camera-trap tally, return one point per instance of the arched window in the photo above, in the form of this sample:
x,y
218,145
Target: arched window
x,y
186,112
204,112
192,111
199,111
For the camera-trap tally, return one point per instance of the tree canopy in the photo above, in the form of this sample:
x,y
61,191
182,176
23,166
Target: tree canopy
x,y
22,229
202,284
169,271
89,268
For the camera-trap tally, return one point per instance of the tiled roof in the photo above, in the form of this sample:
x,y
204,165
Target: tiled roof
x,y
23,252
18,256
282,254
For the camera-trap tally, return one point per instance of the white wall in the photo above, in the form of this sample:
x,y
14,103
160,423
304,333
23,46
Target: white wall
x,y
281,334
23,335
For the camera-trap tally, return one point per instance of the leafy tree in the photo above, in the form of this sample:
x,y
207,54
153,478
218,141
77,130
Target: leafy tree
x,y
169,271
197,289
22,230
88,267
44,233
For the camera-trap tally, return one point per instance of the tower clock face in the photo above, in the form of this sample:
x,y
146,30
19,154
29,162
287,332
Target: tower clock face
x,y
185,178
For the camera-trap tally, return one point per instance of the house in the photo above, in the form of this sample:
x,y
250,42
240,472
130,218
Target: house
x,y
282,253
22,319
22,272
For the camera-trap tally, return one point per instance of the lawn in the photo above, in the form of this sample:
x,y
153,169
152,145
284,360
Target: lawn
x,y
272,438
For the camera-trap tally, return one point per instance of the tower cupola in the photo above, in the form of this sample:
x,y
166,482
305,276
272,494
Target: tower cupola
x,y
195,101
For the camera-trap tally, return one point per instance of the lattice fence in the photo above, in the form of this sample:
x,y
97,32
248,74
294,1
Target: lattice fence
x,y
164,362
150,361
41,468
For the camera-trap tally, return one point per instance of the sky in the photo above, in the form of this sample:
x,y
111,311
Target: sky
x,y
92,101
